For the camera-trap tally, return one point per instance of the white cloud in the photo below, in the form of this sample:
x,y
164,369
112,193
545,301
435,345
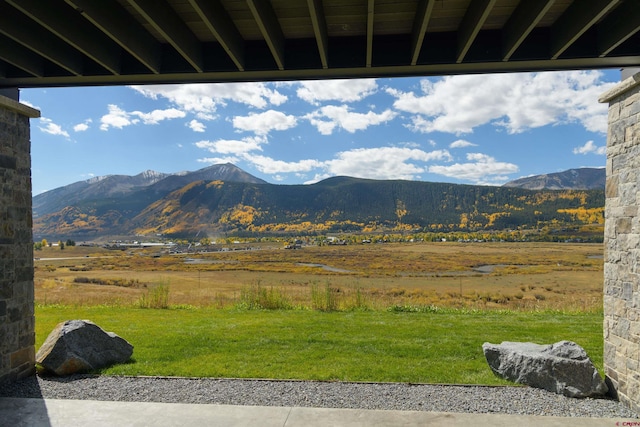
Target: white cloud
x,y
516,102
206,116
119,118
48,126
232,146
218,160
384,162
156,116
480,169
116,118
317,178
81,127
243,150
268,165
204,99
590,147
373,163
327,118
461,143
237,150
336,90
263,123
196,126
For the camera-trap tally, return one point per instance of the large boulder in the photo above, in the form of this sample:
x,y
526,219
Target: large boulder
x,y
563,367
80,346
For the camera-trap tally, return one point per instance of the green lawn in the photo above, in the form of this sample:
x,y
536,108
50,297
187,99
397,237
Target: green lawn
x,y
443,347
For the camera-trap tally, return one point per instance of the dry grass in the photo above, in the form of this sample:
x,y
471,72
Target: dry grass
x,y
527,276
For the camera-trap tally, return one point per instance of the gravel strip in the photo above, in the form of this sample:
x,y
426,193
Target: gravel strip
x,y
390,396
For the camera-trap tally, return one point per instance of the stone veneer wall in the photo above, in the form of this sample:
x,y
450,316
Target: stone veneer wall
x,y
17,332
622,243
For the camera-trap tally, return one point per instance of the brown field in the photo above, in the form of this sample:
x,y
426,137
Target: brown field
x,y
527,276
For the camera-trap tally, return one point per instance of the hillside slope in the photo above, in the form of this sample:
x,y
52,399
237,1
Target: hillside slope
x,y
336,204
572,179
112,187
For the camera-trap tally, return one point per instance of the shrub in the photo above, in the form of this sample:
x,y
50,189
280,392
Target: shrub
x,y
324,299
360,300
257,297
155,297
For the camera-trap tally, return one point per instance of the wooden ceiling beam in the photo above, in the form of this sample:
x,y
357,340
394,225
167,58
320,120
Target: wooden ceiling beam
x,y
217,20
87,42
618,26
20,57
73,29
370,22
161,16
27,32
114,21
432,69
420,24
473,20
267,21
521,22
320,30
575,21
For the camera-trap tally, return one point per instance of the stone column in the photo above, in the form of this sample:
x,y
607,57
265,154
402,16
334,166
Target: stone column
x,y
17,325
622,243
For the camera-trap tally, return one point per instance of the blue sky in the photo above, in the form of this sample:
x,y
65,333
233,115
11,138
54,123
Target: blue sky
x,y
475,129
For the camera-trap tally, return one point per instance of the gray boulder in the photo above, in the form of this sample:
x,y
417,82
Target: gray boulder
x,y
80,346
563,367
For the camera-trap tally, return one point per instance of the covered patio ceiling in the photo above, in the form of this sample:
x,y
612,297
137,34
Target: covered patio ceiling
x,y
116,42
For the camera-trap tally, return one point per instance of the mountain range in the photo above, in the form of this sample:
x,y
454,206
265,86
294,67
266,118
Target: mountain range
x,y
572,179
119,186
223,198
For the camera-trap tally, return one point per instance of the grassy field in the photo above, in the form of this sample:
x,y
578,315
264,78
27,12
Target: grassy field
x,y
515,276
412,312
442,346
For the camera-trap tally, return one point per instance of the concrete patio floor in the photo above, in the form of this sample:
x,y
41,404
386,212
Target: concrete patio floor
x,y
16,412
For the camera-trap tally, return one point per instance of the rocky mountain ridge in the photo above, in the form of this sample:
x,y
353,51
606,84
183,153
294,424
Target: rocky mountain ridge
x,y
572,179
211,202
117,186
